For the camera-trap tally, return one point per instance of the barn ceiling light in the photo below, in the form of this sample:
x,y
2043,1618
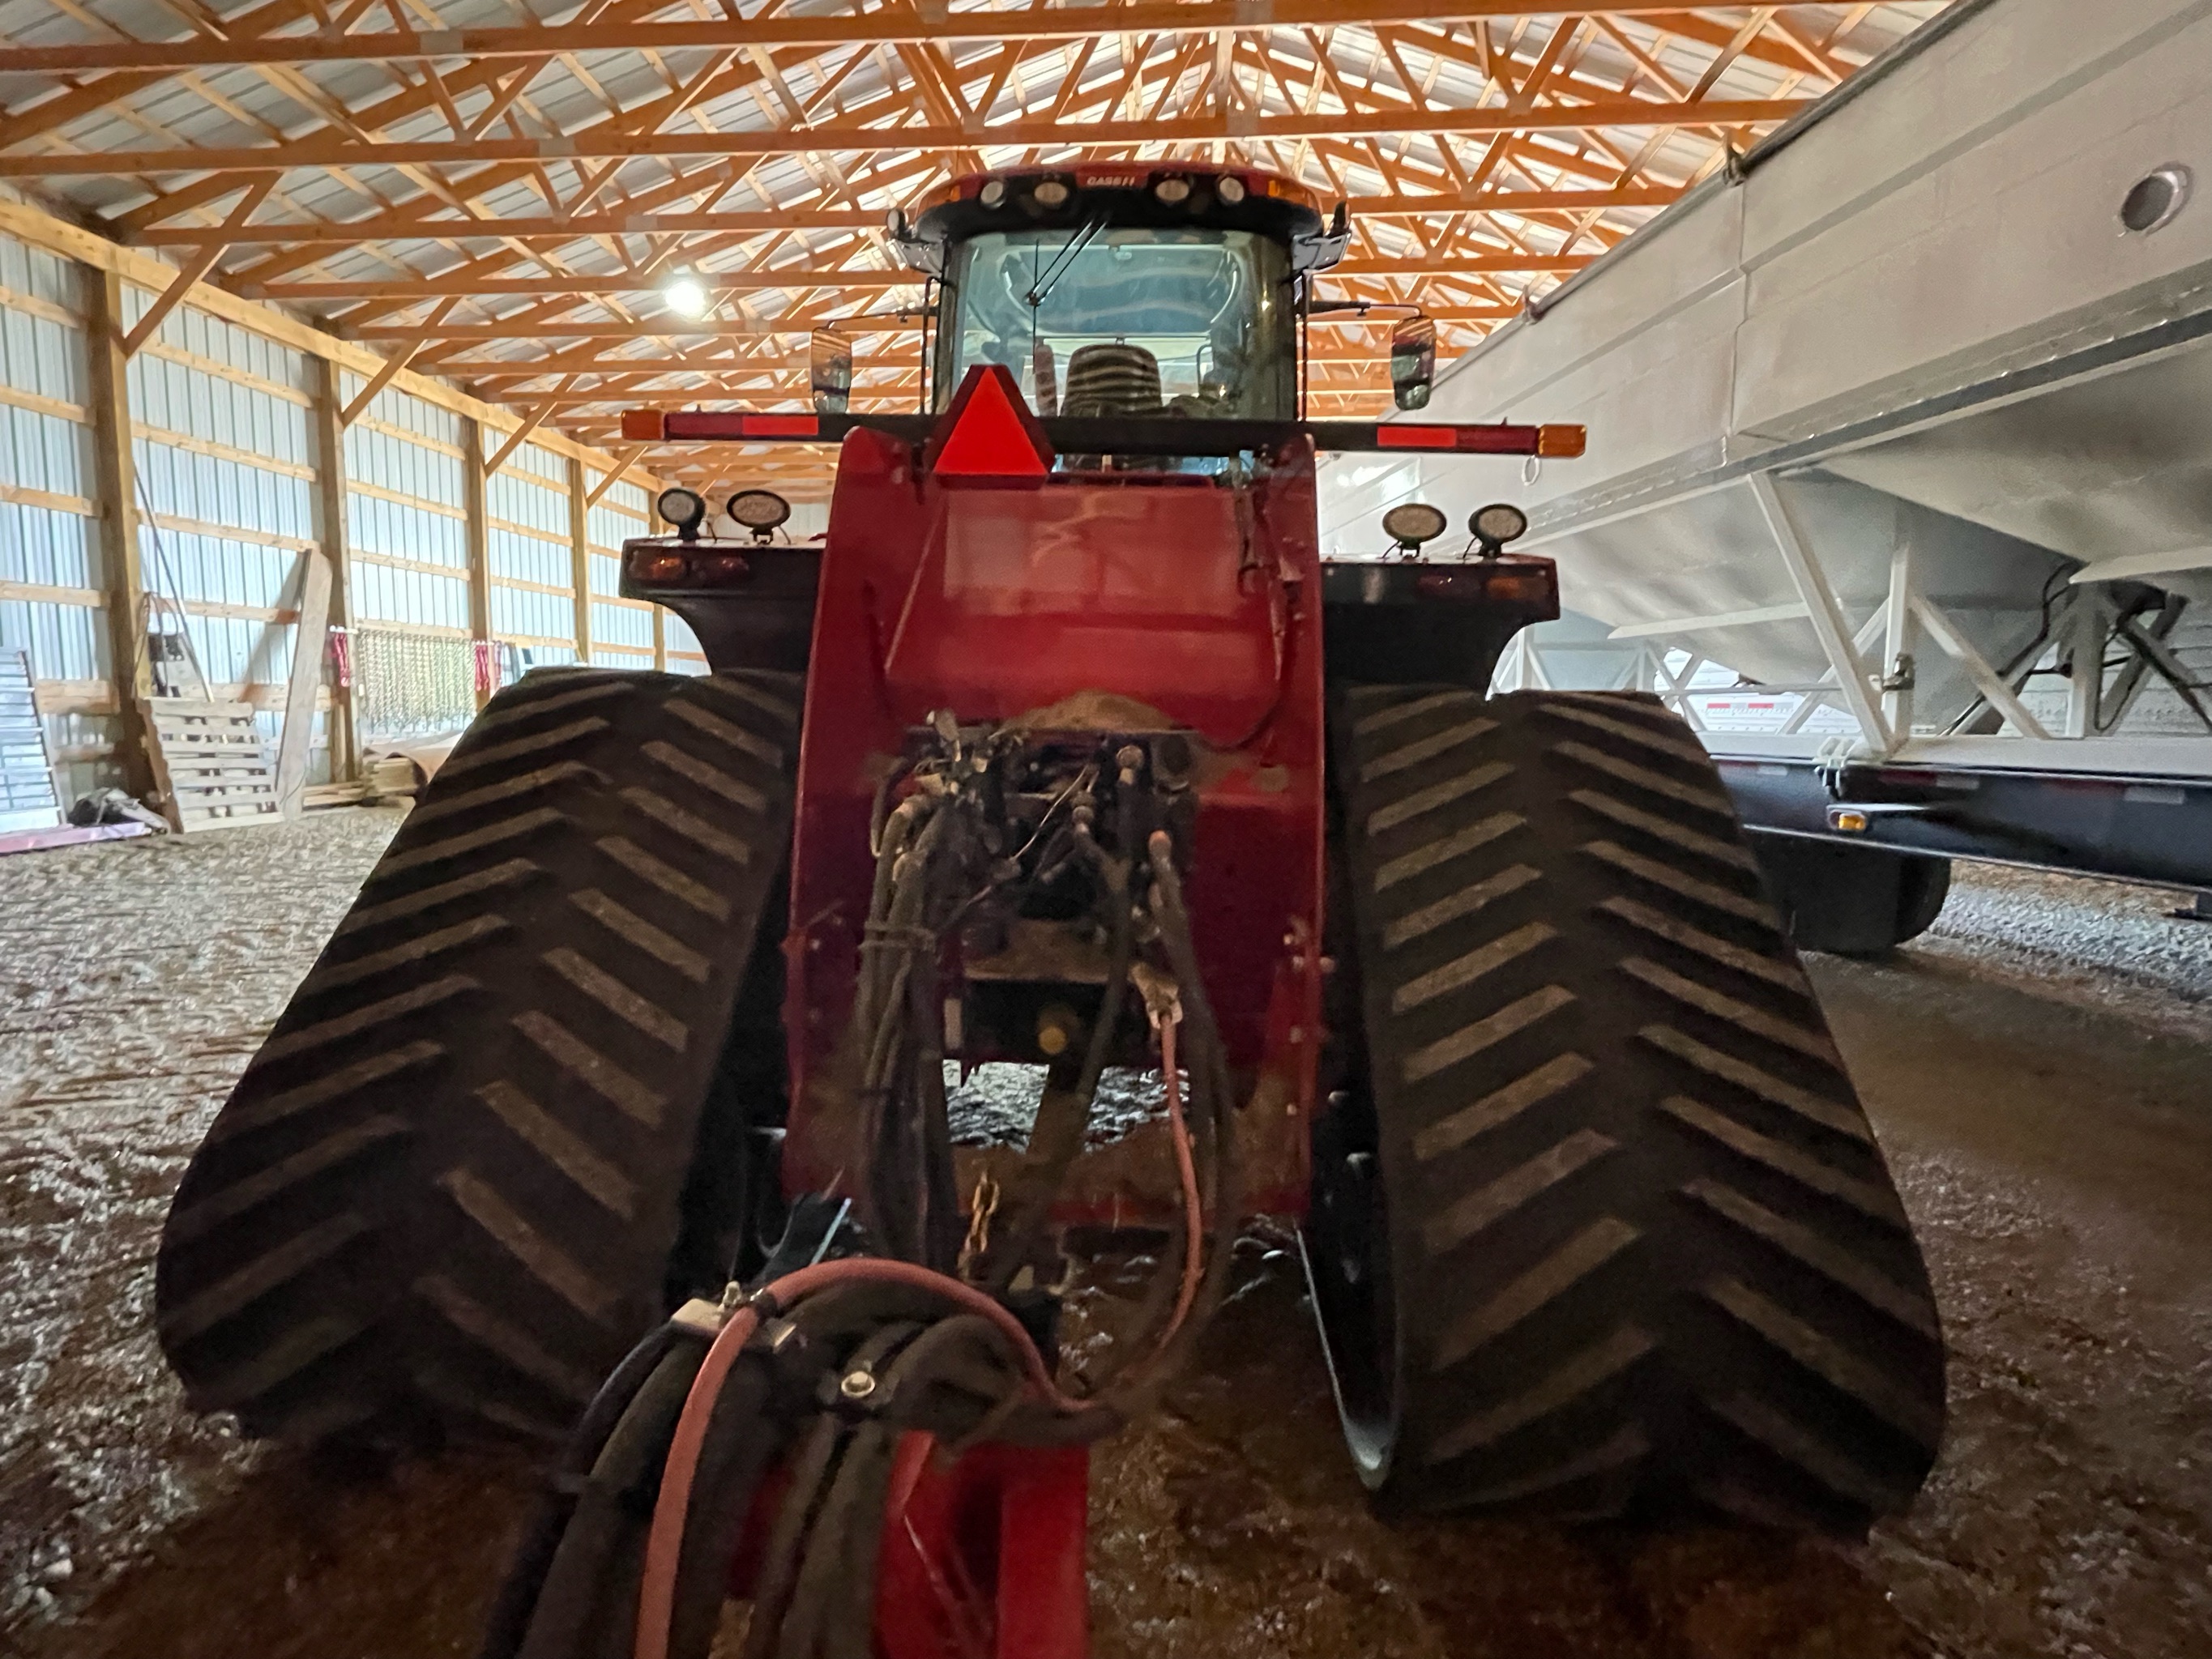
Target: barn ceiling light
x,y
685,295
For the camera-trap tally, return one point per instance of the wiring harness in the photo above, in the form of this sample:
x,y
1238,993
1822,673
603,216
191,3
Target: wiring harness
x,y
765,1424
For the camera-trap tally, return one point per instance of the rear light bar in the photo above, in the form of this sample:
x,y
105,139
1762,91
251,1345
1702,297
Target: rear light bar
x,y
1119,437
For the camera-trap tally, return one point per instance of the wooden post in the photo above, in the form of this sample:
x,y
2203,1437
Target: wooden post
x,y
309,638
479,543
580,557
137,753
660,639
333,534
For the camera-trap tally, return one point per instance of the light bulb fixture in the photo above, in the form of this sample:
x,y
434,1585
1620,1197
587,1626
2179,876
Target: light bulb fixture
x,y
1230,188
685,295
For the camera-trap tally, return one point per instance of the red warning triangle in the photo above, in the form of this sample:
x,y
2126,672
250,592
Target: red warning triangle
x,y
988,434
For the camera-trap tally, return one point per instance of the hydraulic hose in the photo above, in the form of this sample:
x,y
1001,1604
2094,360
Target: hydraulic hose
x,y
581,1591
739,1447
816,1467
671,1510
1056,1136
519,1591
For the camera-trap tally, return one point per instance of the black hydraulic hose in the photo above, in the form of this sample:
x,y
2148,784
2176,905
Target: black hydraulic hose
x,y
742,1440
821,1577
941,1229
825,1576
810,1475
1056,1137
580,1594
519,1590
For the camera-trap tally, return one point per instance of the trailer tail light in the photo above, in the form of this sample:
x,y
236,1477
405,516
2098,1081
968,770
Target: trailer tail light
x,y
719,569
1500,439
654,566
988,436
1533,583
713,426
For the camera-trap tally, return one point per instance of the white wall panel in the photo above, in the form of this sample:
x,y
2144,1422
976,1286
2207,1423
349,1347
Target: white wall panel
x,y
407,559
222,434
51,570
622,630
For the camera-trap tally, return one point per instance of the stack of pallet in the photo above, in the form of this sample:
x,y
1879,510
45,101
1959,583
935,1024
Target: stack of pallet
x,y
221,775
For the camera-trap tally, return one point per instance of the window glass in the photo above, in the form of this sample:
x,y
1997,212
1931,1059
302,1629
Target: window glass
x,y
1127,322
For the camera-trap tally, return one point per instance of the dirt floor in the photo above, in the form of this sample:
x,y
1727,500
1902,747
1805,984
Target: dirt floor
x,y
2040,1069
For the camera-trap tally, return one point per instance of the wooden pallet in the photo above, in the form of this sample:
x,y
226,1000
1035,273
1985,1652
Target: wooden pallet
x,y
222,775
28,800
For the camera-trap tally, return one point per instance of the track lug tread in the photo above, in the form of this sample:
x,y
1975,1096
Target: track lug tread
x,y
497,1070
1650,1261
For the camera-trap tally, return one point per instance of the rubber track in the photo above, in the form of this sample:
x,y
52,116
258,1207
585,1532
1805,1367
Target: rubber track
x,y
444,1192
1647,1254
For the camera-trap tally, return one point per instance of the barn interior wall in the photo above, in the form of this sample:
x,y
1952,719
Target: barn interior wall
x,y
226,412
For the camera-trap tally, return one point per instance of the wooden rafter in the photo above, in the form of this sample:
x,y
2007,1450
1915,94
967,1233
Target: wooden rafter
x,y
1486,150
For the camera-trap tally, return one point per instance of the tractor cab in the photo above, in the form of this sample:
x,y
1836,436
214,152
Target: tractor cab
x,y
1115,292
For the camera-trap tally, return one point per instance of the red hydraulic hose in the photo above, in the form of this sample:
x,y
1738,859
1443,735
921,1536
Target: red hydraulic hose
x,y
656,1592
1194,1217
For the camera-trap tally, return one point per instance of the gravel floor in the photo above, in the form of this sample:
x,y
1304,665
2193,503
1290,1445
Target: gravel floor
x,y
2040,1067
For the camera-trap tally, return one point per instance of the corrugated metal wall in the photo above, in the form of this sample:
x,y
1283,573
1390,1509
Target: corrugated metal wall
x,y
222,440
51,573
231,501
533,558
622,630
407,559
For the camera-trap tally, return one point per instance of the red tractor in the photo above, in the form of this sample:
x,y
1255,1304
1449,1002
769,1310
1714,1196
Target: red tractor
x,y
1065,747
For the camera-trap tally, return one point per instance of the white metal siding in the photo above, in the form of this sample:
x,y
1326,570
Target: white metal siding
x,y
407,557
622,630
222,432
51,574
533,600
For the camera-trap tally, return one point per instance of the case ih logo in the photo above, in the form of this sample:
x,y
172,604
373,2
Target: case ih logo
x,y
1114,180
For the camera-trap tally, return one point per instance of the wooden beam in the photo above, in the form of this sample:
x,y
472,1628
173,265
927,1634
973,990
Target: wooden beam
x,y
68,241
607,140
902,22
443,227
333,537
580,555
770,329
198,265
137,754
309,635
623,462
829,276
478,541
531,423
393,364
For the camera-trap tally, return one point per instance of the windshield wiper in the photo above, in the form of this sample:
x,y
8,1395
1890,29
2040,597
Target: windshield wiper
x,y
1053,273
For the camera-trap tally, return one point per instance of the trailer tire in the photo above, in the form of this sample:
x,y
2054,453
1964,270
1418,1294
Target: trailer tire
x,y
1851,901
445,1193
1600,1228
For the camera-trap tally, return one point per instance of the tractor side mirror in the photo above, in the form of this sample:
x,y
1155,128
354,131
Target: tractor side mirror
x,y
830,370
1413,361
